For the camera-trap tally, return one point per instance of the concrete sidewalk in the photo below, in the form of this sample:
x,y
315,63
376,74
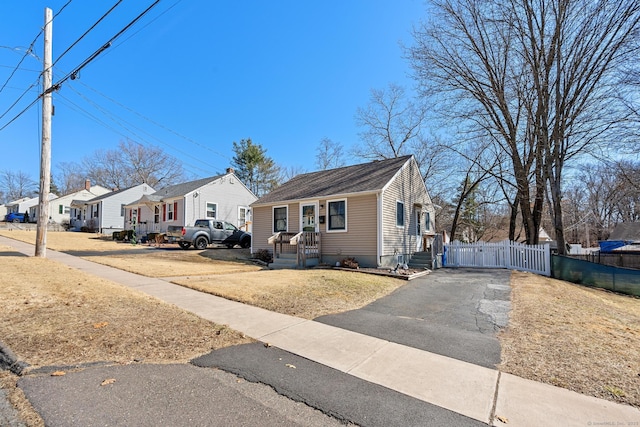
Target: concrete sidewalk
x,y
474,391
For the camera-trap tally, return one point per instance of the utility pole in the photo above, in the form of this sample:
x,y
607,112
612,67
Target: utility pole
x,y
45,153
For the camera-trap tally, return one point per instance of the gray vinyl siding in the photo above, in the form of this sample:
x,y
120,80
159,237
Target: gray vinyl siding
x,y
408,188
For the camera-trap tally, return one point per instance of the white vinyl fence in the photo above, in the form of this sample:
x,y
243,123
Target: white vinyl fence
x,y
507,254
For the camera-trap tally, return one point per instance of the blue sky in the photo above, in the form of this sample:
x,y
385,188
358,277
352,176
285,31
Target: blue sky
x,y
194,75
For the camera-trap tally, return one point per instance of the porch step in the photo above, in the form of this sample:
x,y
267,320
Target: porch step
x,y
289,261
421,260
284,261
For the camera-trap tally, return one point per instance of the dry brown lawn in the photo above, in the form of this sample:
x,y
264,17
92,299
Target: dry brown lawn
x,y
582,339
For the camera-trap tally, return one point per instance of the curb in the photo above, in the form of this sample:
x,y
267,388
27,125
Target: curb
x,y
9,361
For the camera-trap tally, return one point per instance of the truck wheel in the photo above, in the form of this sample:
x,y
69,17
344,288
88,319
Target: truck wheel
x,y
201,243
246,243
16,220
184,245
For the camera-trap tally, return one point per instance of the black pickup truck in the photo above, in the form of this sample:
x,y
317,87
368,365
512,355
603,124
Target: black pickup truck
x,y
207,231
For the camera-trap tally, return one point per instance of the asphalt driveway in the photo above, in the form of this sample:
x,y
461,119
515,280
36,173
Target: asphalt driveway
x,y
452,312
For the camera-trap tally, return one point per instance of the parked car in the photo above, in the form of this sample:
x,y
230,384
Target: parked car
x,y
207,231
15,217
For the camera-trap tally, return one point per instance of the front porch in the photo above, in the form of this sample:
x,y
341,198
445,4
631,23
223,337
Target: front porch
x,y
296,250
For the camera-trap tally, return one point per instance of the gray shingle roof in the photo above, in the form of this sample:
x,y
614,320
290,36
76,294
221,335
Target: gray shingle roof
x,y
627,231
178,190
360,178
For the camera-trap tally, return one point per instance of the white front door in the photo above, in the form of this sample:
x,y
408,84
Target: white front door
x,y
309,217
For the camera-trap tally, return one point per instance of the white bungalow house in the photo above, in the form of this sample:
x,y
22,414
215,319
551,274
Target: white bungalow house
x,y
105,213
60,208
222,197
379,213
28,205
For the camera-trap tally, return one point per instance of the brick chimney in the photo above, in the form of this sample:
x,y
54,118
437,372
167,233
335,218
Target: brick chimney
x,y
87,184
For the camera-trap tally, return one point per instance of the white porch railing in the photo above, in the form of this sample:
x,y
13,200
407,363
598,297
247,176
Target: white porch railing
x,y
507,254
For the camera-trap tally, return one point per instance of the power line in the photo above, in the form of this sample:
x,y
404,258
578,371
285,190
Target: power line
x,y
72,75
86,32
160,125
30,48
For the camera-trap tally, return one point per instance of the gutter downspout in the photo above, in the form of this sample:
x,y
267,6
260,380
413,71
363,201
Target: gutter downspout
x,y
380,239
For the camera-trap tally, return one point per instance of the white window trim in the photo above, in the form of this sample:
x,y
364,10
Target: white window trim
x,y
346,216
273,217
170,211
404,216
206,210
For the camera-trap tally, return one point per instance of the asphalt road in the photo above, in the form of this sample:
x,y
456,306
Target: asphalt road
x,y
452,312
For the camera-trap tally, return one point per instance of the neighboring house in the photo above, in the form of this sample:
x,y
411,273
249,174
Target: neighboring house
x,y
625,237
105,213
3,211
222,197
60,208
28,205
379,213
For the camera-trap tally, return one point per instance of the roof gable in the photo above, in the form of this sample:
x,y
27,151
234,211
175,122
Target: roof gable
x,y
362,178
179,190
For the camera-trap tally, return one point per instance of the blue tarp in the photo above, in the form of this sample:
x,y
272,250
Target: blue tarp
x,y
608,246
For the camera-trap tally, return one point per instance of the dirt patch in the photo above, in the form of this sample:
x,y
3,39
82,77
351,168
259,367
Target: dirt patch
x,y
573,337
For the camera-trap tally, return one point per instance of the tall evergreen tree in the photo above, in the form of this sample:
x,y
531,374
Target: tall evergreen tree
x,y
254,168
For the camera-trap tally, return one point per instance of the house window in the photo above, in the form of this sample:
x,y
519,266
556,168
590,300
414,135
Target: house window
x,y
156,214
337,215
95,209
212,210
170,212
280,219
121,210
427,221
399,214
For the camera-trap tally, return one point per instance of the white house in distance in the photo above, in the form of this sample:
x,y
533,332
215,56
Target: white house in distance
x,y
29,205
105,213
222,197
60,207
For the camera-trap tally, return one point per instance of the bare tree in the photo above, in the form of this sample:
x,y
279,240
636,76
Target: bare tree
x,y
391,122
70,177
16,185
534,75
132,164
329,154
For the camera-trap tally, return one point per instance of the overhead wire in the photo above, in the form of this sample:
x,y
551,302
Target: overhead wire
x,y
95,24
75,106
128,126
30,48
77,69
